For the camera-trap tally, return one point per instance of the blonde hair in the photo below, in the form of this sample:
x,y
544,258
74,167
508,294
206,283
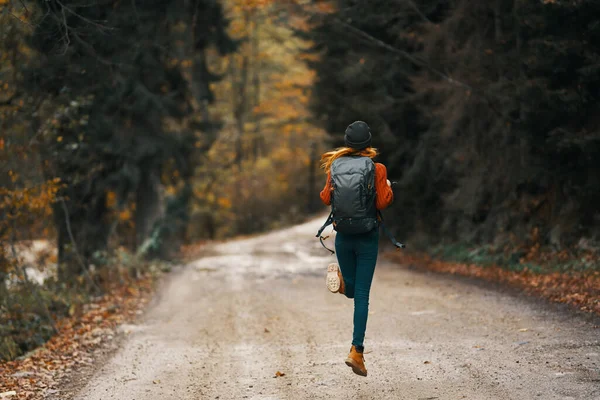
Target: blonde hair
x,y
328,158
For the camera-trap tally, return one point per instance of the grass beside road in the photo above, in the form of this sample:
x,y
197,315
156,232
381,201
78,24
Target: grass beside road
x,y
574,280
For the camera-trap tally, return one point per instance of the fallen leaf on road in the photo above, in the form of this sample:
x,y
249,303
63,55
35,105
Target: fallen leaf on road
x,y
523,330
41,373
427,362
267,330
278,374
579,289
156,382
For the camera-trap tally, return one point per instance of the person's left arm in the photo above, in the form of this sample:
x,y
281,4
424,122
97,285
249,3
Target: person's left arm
x,y
385,195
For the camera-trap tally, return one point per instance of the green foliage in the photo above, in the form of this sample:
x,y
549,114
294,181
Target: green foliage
x,y
487,255
122,115
25,321
29,311
100,113
486,114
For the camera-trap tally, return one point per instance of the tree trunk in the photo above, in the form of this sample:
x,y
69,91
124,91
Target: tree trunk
x,y
148,206
519,44
240,99
498,20
312,178
241,109
4,264
82,230
257,139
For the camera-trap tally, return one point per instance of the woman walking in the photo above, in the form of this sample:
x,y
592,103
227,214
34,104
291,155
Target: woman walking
x,y
356,188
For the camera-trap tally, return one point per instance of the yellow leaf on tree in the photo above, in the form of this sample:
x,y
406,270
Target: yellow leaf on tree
x,y
171,190
111,199
125,215
224,202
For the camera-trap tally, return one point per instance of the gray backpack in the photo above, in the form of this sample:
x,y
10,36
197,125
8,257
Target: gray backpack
x,y
353,197
353,209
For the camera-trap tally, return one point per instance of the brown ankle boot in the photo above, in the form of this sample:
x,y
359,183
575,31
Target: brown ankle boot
x,y
356,361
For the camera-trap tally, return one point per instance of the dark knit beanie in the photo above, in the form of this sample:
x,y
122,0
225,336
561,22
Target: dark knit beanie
x,y
358,135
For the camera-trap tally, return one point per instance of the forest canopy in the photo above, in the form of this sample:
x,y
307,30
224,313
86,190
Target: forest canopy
x,y
486,113
130,131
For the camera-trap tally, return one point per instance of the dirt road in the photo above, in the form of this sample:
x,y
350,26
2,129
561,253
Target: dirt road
x,y
223,326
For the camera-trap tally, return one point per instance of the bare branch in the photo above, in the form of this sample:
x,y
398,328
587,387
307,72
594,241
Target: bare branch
x,y
424,64
415,60
89,21
66,26
418,11
19,19
24,7
91,50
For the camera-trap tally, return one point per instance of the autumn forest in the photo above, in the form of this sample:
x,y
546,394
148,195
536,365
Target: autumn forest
x,y
134,132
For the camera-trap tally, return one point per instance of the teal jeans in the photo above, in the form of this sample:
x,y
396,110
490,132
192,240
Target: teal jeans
x,y
357,256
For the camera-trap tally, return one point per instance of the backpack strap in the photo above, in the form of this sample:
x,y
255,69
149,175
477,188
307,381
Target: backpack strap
x,y
328,222
388,233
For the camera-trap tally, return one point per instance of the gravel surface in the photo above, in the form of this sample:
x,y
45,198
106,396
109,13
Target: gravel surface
x,y
224,326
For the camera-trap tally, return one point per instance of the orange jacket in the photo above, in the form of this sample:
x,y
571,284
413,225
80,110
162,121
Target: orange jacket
x,y
384,194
